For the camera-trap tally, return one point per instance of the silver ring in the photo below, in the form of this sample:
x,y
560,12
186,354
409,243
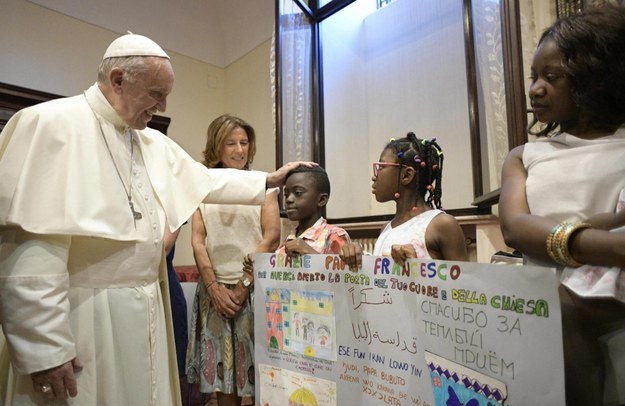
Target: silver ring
x,y
46,388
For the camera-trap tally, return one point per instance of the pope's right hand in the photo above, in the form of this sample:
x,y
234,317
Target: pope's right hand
x,y
59,382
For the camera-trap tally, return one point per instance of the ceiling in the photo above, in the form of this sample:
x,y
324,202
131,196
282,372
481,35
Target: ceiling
x,y
217,32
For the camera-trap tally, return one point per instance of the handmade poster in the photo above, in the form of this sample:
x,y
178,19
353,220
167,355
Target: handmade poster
x,y
429,333
284,387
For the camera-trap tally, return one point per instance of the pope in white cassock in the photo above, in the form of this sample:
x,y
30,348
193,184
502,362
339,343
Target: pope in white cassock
x,y
86,194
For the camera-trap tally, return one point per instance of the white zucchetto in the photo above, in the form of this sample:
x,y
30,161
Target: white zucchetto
x,y
134,45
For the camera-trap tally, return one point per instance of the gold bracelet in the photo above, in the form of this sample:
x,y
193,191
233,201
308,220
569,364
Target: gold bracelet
x,y
558,243
571,230
550,242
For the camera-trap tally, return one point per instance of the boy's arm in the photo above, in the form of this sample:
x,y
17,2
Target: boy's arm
x,y
336,239
298,246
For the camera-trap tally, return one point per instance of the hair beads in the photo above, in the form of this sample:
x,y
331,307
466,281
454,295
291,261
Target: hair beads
x,y
426,157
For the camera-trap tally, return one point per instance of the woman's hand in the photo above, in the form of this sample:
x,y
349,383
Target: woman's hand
x,y
242,294
225,301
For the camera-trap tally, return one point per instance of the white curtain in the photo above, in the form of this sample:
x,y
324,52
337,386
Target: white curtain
x,y
535,16
491,89
296,82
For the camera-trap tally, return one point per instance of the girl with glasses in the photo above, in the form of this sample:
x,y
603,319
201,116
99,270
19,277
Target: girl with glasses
x,y
410,173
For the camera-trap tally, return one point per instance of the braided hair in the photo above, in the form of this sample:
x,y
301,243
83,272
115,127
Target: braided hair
x,y
426,157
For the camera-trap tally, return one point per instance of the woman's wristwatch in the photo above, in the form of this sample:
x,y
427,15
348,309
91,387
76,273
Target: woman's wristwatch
x,y
247,282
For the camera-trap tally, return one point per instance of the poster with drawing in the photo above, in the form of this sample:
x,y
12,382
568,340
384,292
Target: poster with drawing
x,y
430,333
284,387
301,321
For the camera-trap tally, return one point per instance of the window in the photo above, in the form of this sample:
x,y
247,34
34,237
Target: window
x,y
382,3
367,74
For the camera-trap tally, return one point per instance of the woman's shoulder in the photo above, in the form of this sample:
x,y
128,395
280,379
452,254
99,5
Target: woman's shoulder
x,y
518,151
515,154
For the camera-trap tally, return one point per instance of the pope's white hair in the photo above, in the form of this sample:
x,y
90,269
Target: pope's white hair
x,y
130,65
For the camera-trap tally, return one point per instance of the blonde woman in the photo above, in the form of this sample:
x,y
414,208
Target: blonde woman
x,y
220,355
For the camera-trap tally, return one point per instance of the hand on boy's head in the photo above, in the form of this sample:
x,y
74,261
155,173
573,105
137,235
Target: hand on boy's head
x,y
298,247
277,178
351,254
401,253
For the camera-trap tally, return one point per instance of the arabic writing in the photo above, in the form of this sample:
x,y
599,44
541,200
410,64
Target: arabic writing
x,y
374,297
362,332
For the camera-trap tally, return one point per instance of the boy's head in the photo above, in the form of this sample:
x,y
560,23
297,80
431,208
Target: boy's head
x,y
306,192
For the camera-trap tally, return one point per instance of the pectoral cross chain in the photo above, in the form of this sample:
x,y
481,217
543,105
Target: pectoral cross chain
x,y
135,214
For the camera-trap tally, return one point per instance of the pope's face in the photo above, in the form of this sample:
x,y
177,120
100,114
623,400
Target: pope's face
x,y
147,94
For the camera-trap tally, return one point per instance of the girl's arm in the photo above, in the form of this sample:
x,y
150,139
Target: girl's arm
x,y
528,233
607,221
521,230
448,237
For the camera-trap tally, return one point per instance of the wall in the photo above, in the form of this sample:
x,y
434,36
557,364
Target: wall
x,y
51,52
248,96
247,93
48,51
398,69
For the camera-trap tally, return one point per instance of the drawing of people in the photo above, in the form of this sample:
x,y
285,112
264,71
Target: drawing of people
x,y
297,322
305,328
323,333
311,330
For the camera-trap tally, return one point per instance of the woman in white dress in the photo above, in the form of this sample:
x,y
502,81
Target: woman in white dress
x,y
220,356
559,194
